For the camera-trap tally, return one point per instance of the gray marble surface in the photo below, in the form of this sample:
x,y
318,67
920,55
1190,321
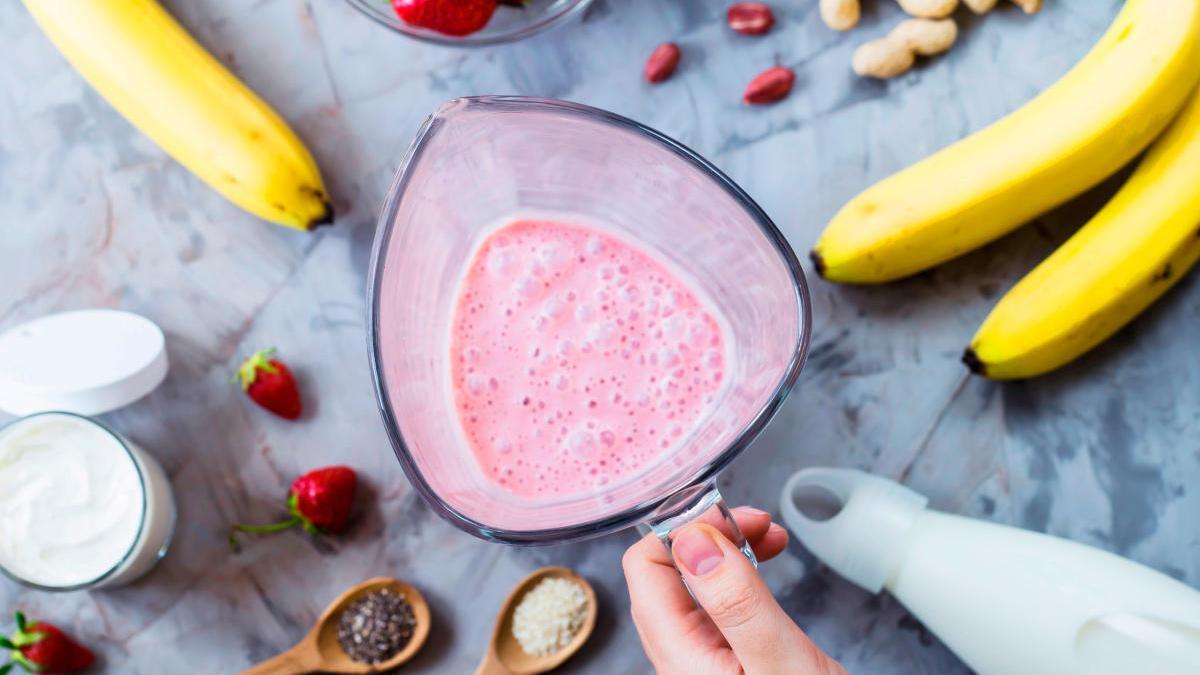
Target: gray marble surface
x,y
1104,452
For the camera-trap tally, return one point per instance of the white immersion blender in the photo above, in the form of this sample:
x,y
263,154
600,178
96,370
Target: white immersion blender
x,y
1007,601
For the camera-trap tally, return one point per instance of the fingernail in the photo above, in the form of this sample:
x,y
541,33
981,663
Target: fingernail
x,y
696,551
751,511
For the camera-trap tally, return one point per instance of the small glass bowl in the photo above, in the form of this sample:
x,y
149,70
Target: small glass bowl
x,y
509,24
158,514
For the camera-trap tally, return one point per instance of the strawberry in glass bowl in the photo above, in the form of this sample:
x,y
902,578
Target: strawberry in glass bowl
x,y
469,23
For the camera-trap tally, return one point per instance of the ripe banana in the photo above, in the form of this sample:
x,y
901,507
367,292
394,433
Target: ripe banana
x,y
147,66
1096,118
1129,254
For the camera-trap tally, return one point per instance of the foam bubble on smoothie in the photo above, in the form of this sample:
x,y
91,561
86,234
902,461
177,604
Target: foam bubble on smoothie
x,y
577,358
668,357
602,334
554,256
713,359
476,383
527,286
581,441
674,326
499,261
553,308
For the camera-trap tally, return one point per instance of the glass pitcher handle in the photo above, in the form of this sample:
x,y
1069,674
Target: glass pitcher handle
x,y
700,504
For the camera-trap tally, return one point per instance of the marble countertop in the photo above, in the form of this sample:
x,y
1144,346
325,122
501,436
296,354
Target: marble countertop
x,y
1104,451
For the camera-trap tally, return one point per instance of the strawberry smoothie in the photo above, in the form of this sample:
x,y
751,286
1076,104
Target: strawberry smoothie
x,y
578,358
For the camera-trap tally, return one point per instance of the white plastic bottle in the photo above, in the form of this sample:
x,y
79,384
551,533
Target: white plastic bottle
x,y
1007,601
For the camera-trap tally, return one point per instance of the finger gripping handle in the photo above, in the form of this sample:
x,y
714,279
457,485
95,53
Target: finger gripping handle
x,y
700,503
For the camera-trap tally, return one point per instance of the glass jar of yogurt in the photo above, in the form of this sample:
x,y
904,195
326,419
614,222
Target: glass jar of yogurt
x,y
81,506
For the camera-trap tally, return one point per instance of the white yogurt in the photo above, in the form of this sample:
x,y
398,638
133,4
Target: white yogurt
x,y
80,506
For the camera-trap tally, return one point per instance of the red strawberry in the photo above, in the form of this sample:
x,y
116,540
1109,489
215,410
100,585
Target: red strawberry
x,y
323,498
270,384
43,648
452,17
319,501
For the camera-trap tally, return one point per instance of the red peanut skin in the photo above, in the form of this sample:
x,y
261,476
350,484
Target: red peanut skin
x,y
769,86
750,18
662,62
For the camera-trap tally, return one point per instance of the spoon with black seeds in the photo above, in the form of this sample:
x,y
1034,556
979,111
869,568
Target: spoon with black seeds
x,y
372,627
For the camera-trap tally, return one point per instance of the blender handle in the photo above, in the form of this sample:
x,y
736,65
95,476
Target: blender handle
x,y
830,509
696,503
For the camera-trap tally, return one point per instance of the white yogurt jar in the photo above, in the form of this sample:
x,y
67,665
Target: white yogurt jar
x,y
81,506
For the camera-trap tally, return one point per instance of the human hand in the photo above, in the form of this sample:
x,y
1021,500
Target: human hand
x,y
739,627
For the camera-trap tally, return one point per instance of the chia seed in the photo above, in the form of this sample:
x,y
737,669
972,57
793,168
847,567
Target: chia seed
x,y
376,627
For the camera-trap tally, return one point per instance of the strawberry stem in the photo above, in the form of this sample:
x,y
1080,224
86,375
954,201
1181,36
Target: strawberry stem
x,y
248,371
22,639
273,527
6,643
24,662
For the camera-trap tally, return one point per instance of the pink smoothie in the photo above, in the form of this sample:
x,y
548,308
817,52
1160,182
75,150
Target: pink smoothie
x,y
577,358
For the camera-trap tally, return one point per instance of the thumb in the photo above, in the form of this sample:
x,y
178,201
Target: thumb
x,y
735,597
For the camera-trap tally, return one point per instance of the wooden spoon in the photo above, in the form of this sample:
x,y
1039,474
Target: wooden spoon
x,y
320,650
505,656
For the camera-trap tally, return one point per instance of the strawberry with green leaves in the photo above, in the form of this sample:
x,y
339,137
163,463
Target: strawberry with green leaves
x,y
43,648
269,383
319,501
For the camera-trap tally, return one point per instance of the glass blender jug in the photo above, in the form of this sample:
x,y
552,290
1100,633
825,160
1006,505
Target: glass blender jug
x,y
480,161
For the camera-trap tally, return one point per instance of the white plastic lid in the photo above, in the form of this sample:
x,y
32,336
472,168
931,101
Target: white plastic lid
x,y
86,362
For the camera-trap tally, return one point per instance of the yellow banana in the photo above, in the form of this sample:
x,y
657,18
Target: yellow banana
x,y
148,67
1130,253
1096,118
